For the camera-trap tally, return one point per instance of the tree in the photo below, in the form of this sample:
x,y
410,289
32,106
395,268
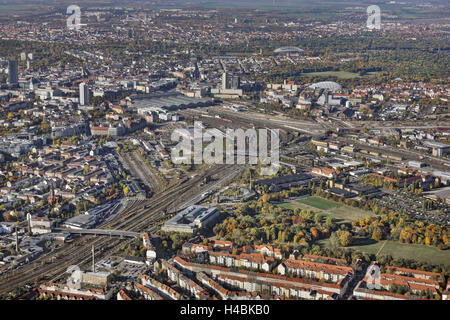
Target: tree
x,y
265,198
314,232
334,241
306,214
45,126
318,218
329,222
377,235
345,237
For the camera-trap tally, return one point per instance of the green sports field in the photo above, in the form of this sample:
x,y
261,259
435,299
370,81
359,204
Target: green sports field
x,y
319,203
340,212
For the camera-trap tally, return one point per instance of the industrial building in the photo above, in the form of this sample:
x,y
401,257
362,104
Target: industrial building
x,y
286,182
96,278
438,149
82,221
41,225
191,219
165,102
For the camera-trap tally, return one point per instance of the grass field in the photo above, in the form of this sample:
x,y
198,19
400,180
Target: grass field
x,y
12,9
239,54
400,250
319,203
341,213
339,74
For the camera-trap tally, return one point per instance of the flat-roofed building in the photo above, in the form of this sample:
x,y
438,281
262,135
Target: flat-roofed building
x,y
95,278
40,225
13,73
438,149
82,221
191,219
161,103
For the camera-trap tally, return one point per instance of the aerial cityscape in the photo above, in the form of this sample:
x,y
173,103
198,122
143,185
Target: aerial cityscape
x,y
224,150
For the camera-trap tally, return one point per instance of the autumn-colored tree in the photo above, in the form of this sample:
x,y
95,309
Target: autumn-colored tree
x,y
345,237
314,232
377,235
265,198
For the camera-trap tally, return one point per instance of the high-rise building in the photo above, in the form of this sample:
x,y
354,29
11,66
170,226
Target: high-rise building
x,y
235,82
230,87
230,82
13,73
84,94
196,73
225,80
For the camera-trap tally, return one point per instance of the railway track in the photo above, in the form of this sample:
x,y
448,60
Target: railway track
x,y
135,217
131,161
142,221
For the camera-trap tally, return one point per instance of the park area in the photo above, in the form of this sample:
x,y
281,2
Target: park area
x,y
339,212
338,74
343,213
396,249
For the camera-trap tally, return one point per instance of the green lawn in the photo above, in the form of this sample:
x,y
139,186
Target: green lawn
x,y
291,205
400,250
319,203
348,214
12,9
339,74
340,212
239,54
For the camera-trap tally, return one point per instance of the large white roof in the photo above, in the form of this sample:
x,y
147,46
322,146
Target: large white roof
x,y
288,49
326,85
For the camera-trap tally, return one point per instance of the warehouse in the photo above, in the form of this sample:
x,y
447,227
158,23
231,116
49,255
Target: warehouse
x,y
164,103
82,221
191,219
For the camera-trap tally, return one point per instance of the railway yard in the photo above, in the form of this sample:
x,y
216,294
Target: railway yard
x,y
162,195
134,217
224,150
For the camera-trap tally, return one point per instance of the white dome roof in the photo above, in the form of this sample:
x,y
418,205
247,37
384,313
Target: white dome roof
x,y
288,49
326,85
